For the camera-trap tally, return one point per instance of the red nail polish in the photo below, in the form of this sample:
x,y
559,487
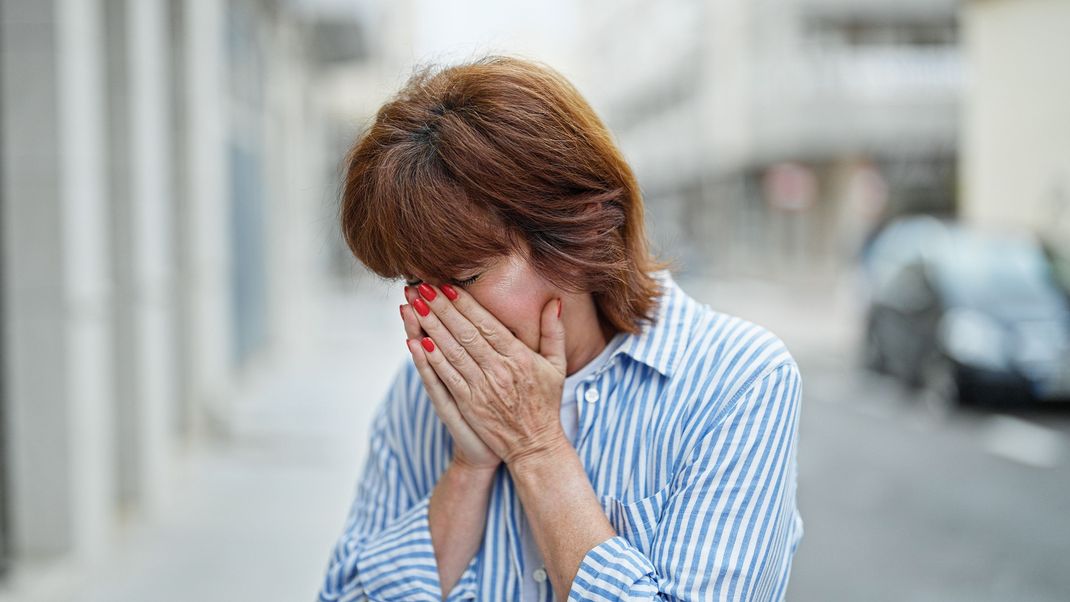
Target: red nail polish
x,y
421,307
449,292
559,304
426,291
428,344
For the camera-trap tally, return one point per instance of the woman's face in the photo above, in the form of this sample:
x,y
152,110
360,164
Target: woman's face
x,y
515,293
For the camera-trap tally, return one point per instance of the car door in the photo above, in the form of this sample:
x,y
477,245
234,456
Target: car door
x,y
909,310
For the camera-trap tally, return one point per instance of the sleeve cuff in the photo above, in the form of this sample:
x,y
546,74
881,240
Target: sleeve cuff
x,y
614,570
398,563
466,585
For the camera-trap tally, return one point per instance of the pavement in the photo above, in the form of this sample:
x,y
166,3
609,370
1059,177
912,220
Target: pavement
x,y
254,515
899,502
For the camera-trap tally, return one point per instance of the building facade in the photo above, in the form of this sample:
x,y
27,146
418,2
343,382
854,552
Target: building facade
x,y
1016,126
160,207
770,135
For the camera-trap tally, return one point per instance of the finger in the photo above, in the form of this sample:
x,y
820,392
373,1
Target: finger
x,y
450,349
552,338
413,328
441,399
453,380
494,332
462,329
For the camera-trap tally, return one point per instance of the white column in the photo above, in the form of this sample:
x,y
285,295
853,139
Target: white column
x,y
204,213
57,351
152,239
141,202
293,203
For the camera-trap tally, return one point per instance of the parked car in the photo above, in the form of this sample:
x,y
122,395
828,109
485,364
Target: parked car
x,y
966,314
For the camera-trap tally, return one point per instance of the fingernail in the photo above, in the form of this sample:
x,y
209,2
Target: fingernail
x,y
449,292
421,307
427,292
559,304
428,344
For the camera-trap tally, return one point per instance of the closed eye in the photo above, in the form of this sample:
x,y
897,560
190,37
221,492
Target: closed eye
x,y
462,283
467,281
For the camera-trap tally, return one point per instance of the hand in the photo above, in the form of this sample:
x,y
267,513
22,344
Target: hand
x,y
508,394
468,448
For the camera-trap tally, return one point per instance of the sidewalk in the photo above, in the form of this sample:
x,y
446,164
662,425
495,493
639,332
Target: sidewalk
x,y
255,517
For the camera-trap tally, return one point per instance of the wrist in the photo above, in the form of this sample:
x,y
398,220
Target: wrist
x,y
476,473
546,454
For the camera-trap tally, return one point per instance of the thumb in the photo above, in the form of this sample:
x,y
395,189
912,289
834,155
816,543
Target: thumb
x,y
552,341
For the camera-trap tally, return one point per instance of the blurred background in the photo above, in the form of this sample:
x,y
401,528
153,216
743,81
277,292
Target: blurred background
x,y
191,356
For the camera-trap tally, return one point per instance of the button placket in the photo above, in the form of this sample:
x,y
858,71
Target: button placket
x,y
587,396
540,577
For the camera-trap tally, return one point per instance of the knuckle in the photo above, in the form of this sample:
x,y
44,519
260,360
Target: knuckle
x,y
455,380
500,373
468,337
486,330
453,355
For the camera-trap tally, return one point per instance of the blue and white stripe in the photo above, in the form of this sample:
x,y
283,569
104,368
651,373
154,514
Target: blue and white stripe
x,y
690,444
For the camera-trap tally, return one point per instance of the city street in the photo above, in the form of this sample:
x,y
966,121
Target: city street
x,y
899,502
971,505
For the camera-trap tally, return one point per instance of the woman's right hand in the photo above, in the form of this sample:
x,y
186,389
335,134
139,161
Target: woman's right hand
x,y
468,448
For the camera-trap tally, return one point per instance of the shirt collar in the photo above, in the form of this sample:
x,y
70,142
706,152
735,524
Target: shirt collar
x,y
660,343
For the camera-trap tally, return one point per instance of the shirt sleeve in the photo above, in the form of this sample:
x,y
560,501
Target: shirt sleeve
x,y
730,528
385,550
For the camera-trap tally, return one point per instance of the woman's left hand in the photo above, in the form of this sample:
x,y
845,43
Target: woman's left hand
x,y
509,394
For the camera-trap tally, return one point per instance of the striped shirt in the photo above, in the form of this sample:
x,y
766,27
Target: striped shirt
x,y
688,436
535,577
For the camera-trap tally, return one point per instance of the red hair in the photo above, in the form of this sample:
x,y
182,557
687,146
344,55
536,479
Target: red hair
x,y
479,160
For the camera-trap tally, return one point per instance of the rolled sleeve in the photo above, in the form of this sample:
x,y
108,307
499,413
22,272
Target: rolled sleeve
x,y
399,562
730,527
385,551
612,568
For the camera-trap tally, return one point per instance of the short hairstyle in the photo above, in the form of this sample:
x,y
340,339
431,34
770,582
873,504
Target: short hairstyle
x,y
470,162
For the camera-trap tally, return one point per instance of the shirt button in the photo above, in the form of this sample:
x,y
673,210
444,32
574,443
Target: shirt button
x,y
539,575
591,395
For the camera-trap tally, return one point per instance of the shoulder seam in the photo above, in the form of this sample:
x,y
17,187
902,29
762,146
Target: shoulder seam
x,y
749,385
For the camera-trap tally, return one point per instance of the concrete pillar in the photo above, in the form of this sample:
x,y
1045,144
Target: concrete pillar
x,y
293,204
203,215
58,347
141,255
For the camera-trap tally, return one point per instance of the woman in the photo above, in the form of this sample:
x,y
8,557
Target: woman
x,y
572,424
